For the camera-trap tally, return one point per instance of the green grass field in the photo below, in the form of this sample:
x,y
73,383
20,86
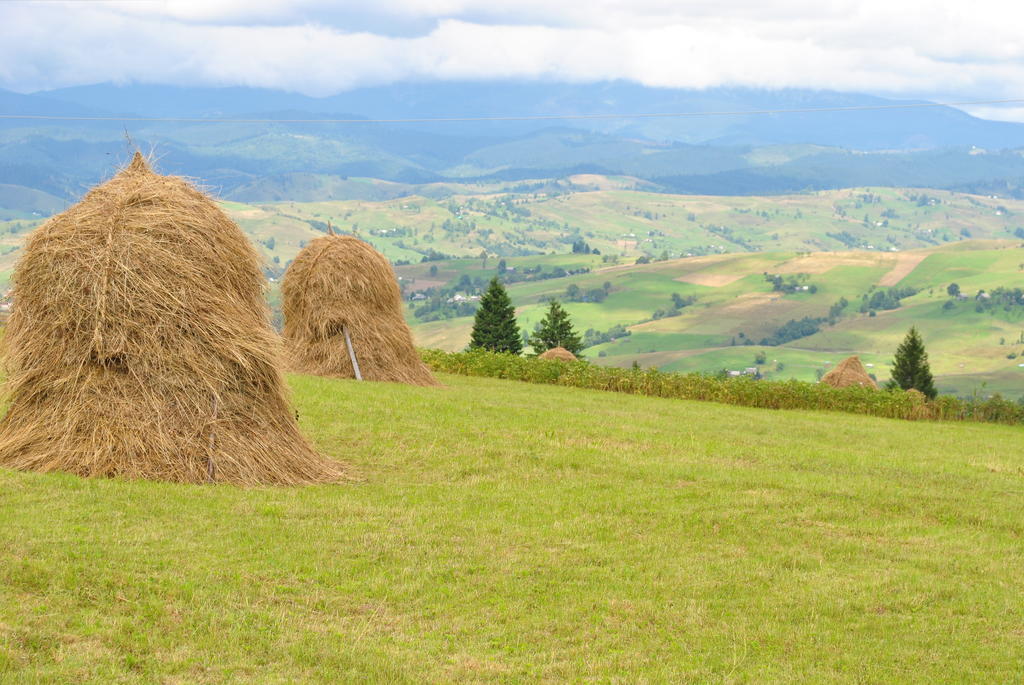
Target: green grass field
x,y
625,224
970,351
505,532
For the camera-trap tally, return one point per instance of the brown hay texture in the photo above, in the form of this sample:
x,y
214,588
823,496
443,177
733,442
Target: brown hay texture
x,y
921,408
848,372
140,346
339,281
559,353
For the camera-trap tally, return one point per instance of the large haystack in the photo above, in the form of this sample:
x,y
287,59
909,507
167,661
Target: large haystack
x,y
559,353
339,283
849,372
140,346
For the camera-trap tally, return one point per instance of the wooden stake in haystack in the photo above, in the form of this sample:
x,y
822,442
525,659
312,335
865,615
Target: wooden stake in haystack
x,y
849,372
343,314
141,346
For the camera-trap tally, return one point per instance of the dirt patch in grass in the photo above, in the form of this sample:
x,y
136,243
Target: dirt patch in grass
x,y
905,263
819,263
714,280
426,283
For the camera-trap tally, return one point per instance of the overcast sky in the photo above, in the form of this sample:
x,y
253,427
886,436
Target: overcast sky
x,y
934,49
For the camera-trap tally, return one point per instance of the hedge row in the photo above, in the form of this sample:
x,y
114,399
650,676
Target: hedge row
x,y
743,390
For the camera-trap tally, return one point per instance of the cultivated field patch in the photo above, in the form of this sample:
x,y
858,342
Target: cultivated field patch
x,y
709,278
822,262
905,263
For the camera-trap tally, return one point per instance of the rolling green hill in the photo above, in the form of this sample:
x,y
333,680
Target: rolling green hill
x,y
736,309
614,215
506,532
18,202
450,239
623,223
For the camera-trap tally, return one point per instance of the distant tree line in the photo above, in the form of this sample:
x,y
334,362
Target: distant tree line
x,y
574,293
794,329
581,247
846,238
437,308
789,284
432,255
678,303
536,273
883,300
1007,299
592,337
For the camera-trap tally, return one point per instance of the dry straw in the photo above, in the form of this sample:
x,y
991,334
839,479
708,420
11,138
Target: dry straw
x,y
559,353
849,372
339,283
140,346
921,408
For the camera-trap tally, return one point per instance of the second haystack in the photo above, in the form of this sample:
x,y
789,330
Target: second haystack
x,y
343,315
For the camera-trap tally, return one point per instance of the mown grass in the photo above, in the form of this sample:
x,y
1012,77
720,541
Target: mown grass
x,y
506,532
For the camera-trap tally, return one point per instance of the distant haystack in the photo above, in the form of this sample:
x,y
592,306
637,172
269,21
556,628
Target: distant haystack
x,y
140,346
920,407
849,372
339,285
559,353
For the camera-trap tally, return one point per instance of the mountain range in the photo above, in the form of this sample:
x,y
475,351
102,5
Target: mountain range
x,y
760,153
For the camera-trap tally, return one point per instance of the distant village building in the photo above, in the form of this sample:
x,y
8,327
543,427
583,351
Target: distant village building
x,y
459,297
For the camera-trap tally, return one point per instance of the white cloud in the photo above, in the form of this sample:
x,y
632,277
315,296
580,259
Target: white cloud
x,y
911,47
1005,113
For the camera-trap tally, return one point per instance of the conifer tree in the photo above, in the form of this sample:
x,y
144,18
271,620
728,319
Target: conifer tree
x,y
555,330
495,327
910,367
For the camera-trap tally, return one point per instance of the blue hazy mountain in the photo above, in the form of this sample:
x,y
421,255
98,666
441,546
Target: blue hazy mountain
x,y
862,130
733,154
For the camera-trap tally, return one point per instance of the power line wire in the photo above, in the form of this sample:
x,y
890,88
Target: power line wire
x,y
525,117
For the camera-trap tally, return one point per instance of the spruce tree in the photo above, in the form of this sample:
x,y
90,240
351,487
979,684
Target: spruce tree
x,y
555,330
495,327
910,366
